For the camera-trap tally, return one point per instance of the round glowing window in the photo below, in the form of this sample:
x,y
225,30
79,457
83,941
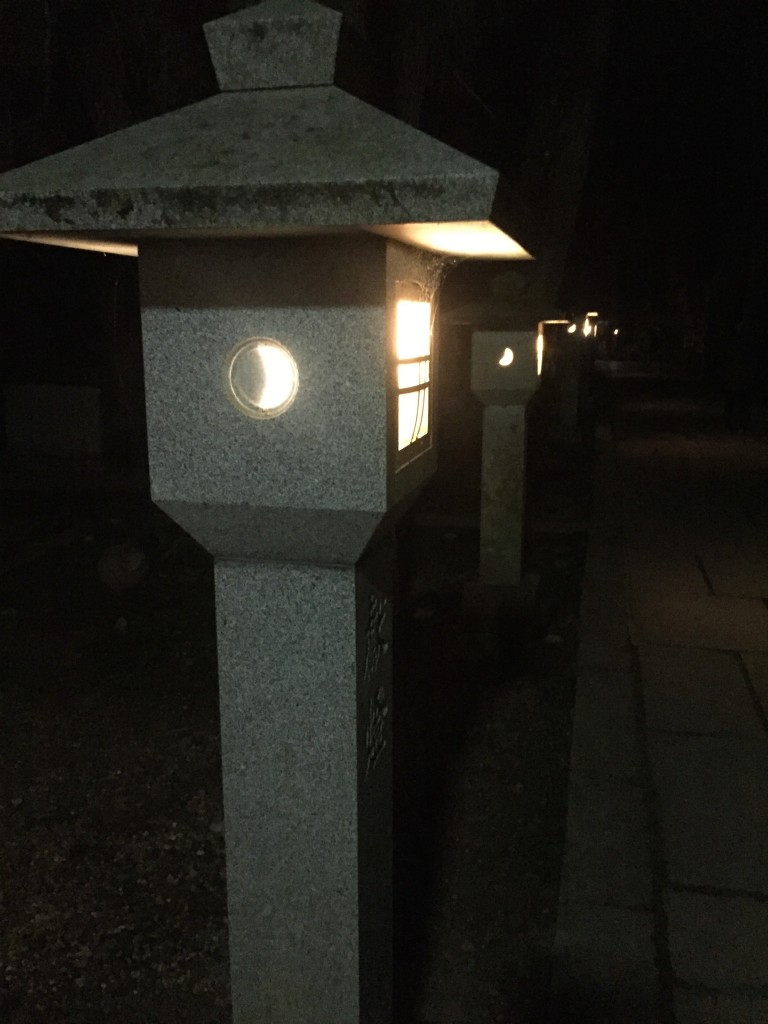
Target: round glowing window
x,y
262,378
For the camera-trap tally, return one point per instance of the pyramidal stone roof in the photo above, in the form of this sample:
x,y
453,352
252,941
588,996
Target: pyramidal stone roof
x,y
279,150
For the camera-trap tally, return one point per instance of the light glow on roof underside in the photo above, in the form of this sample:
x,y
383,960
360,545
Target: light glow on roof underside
x,y
478,239
92,244
473,238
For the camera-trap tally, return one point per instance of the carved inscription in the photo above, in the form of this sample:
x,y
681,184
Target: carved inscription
x,y
376,647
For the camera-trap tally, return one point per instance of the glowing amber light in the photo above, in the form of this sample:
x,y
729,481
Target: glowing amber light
x,y
572,329
413,330
478,238
507,357
539,353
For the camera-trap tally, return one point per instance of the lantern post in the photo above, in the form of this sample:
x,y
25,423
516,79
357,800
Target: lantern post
x,y
506,367
291,240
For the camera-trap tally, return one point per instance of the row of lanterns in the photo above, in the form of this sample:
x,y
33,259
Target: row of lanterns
x,y
262,376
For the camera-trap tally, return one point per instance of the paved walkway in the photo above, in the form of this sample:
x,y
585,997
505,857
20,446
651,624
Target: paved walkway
x,y
663,911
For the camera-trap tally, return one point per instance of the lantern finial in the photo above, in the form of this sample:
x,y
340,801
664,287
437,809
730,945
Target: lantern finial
x,y
278,44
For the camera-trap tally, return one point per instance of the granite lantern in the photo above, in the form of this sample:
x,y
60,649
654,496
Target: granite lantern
x,y
509,356
506,367
575,347
290,240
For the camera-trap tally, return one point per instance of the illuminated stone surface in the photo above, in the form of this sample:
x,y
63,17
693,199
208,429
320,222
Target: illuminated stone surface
x,y
315,483
305,687
288,506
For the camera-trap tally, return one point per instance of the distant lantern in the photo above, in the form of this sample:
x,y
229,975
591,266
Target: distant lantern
x,y
506,365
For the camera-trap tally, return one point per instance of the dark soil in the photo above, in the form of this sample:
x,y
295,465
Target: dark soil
x,y
112,860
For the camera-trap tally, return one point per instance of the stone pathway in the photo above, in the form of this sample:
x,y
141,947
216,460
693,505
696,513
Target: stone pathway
x,y
663,913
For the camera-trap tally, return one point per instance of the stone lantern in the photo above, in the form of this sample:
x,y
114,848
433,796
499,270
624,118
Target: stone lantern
x,y
508,355
506,367
290,241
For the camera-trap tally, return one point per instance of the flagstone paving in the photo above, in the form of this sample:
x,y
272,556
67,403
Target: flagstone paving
x,y
664,892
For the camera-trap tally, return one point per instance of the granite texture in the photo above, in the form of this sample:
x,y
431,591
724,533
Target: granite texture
x,y
280,150
278,44
305,692
309,536
304,650
504,391
315,482
502,495
250,162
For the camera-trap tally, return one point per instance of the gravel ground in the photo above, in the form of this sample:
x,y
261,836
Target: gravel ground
x,y
112,861
112,849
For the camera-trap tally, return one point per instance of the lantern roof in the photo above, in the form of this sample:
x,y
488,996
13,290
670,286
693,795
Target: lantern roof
x,y
279,150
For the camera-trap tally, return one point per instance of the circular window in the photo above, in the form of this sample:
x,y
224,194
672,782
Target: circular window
x,y
262,378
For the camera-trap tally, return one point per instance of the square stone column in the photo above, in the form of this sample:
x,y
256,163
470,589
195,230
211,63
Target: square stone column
x,y
305,676
505,373
502,501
